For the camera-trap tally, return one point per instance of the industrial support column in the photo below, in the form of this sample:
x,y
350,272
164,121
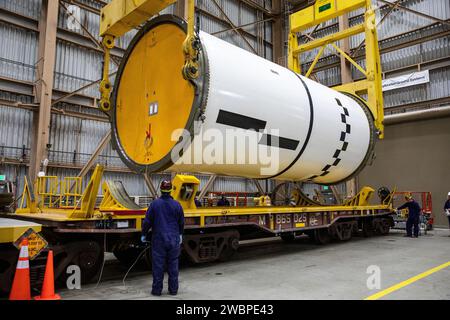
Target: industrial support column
x,y
346,77
44,84
181,9
277,34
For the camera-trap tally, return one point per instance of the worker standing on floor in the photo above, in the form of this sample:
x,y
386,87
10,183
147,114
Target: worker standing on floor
x,y
413,216
165,218
447,208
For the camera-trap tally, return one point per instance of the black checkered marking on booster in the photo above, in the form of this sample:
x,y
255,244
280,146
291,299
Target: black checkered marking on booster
x,y
346,131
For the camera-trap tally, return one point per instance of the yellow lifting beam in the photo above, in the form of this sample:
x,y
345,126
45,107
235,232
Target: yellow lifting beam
x,y
120,16
324,10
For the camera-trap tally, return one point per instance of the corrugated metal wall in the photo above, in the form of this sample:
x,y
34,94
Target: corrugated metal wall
x,y
18,53
28,8
239,14
15,128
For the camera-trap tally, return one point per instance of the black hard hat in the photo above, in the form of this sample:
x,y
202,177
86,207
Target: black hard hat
x,y
166,186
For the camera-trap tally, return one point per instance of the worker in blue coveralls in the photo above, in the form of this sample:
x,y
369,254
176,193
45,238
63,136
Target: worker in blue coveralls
x,y
413,216
223,202
165,218
198,203
447,208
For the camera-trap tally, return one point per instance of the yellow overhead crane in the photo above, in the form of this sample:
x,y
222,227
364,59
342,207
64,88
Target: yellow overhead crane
x,y
324,10
119,17
79,225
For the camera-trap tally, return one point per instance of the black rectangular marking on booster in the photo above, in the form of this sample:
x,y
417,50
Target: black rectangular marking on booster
x,y
344,146
239,121
348,129
283,143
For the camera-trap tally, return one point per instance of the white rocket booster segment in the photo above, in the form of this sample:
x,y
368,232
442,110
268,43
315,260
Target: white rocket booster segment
x,y
317,133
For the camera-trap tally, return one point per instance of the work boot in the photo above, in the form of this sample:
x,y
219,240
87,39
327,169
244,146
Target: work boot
x,y
173,293
156,294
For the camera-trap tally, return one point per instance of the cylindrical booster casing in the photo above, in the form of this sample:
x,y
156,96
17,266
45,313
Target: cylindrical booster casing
x,y
294,128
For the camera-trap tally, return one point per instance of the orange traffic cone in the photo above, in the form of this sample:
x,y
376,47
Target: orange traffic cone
x,y
48,288
21,285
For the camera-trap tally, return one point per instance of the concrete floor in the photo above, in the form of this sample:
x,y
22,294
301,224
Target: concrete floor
x,y
276,270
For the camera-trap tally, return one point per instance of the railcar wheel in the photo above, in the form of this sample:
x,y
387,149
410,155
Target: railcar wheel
x,y
87,255
287,237
382,226
127,256
230,249
322,236
367,228
342,231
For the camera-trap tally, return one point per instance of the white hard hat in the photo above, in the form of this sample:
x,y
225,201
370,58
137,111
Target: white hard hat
x,y
449,193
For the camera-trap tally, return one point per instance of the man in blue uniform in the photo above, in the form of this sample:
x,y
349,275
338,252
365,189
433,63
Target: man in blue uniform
x,y
165,218
413,216
223,202
198,203
447,208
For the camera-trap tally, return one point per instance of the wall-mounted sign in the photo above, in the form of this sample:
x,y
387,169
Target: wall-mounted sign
x,y
406,80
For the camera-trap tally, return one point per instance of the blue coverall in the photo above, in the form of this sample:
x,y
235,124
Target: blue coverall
x,y
223,202
413,217
165,217
447,206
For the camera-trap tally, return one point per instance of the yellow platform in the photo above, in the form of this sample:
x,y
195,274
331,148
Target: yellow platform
x,y
11,229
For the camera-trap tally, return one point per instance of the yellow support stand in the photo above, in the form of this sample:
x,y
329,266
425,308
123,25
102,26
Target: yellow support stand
x,y
263,201
86,205
184,190
110,202
324,10
116,198
361,199
28,204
